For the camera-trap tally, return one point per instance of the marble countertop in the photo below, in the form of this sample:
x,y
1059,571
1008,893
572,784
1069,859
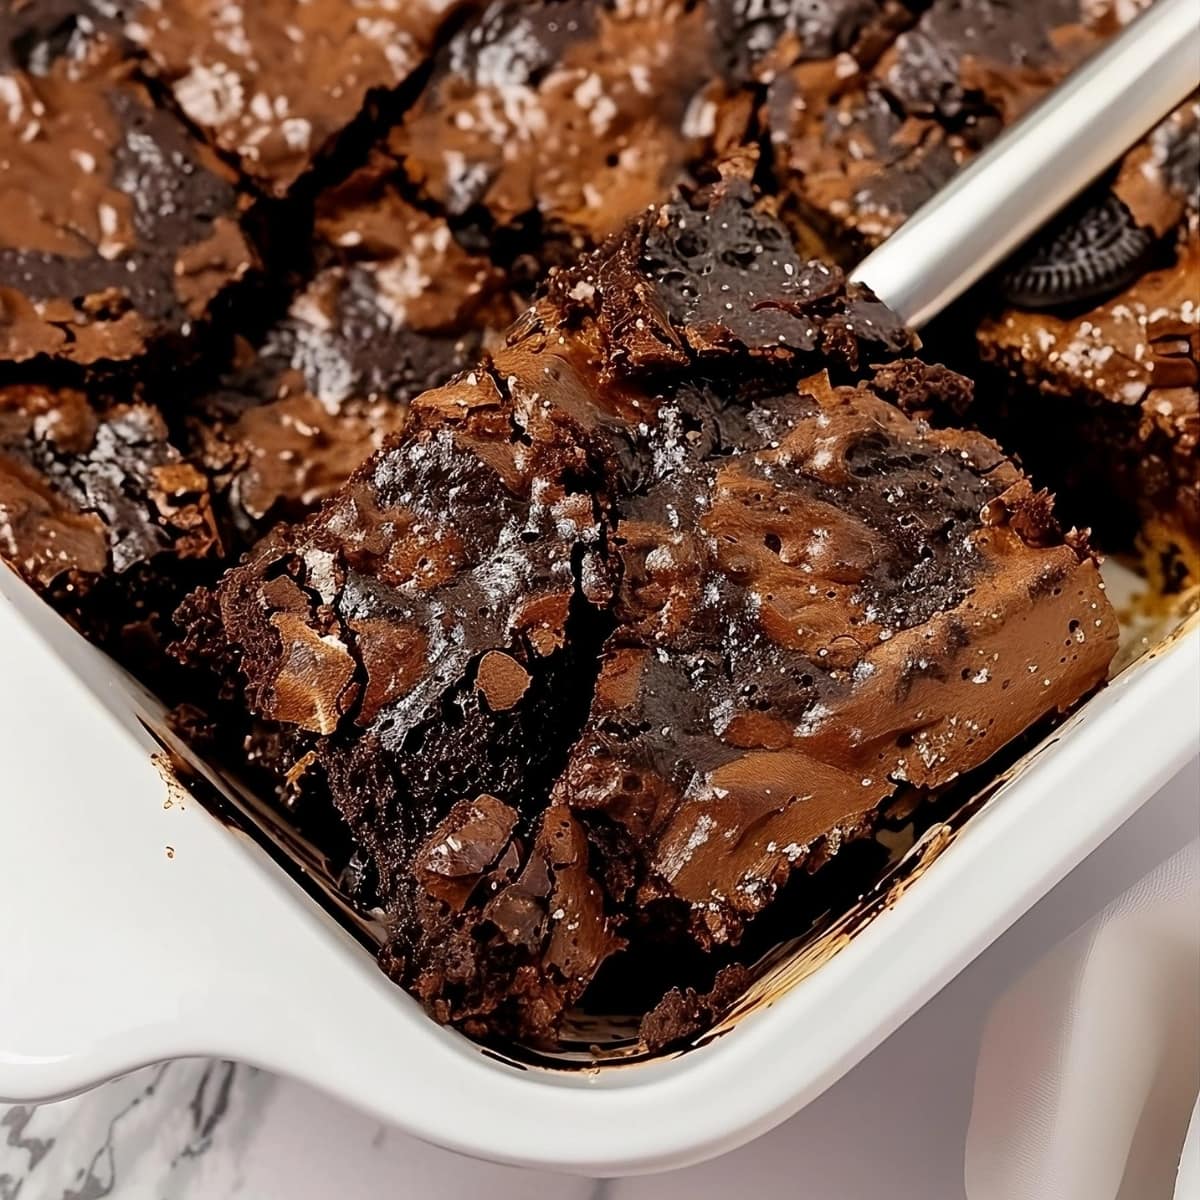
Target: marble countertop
x,y
895,1126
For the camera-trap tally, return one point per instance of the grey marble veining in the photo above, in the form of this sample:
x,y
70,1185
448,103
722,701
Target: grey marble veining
x,y
151,1133
210,1130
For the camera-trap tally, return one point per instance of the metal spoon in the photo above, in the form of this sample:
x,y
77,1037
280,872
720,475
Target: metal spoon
x,y
1039,164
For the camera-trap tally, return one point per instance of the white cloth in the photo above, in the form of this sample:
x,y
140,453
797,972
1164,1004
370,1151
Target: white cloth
x,y
1089,1068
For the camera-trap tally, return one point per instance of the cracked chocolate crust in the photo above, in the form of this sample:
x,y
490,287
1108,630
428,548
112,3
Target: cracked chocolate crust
x,y
100,512
562,117
543,127
273,84
397,306
657,604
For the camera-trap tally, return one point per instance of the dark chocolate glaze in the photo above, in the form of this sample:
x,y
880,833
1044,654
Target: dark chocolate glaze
x,y
122,230
174,204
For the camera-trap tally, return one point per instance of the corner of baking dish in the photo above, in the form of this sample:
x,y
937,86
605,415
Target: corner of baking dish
x,y
135,927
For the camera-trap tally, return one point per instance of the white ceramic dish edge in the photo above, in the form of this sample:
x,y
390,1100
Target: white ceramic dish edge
x,y
114,954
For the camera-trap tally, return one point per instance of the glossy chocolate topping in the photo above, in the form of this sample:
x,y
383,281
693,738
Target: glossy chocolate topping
x,y
397,307
862,151
846,602
85,494
118,228
574,115
566,641
273,81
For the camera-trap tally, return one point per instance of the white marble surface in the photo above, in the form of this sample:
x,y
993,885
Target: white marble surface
x,y
894,1126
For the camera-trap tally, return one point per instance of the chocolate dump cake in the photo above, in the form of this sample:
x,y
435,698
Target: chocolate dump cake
x,y
453,389
655,605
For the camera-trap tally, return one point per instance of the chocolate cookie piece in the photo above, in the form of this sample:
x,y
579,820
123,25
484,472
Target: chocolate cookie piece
x,y
860,151
1113,378
559,114
119,230
274,82
1091,250
94,505
397,306
644,579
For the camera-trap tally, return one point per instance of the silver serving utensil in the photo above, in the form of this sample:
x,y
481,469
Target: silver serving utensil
x,y
1032,170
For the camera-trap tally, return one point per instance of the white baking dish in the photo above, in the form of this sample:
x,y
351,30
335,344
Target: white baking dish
x,y
116,951
135,926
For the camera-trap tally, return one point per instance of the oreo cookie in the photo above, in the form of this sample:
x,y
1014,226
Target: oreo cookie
x,y
1091,251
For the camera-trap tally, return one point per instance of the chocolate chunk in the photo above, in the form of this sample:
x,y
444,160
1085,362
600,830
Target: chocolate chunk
x,y
787,304
929,68
472,837
36,33
755,33
1179,151
502,680
511,933
45,535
